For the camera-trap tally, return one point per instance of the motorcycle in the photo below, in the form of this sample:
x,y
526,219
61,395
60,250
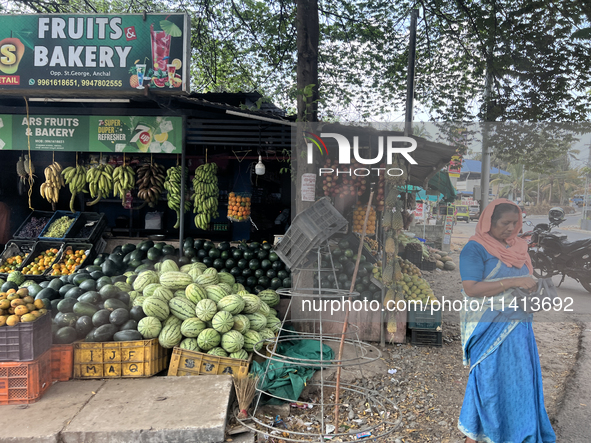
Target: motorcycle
x,y
552,254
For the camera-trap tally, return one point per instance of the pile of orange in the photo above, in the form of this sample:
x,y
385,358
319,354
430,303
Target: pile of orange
x,y
359,218
41,263
69,262
12,263
19,307
238,207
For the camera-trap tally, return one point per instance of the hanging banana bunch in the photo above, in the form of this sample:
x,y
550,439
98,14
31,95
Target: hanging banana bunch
x,y
54,181
75,178
173,185
206,195
150,182
100,182
123,181
20,170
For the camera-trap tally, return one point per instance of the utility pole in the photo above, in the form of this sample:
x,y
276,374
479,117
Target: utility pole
x,y
522,184
410,79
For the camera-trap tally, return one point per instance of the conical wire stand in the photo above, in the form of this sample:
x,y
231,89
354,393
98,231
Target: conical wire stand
x,y
375,403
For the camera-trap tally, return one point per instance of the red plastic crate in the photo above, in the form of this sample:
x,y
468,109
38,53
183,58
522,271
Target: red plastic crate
x,y
25,382
25,341
62,362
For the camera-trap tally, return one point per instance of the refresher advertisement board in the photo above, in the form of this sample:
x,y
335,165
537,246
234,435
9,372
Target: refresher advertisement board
x,y
90,133
82,54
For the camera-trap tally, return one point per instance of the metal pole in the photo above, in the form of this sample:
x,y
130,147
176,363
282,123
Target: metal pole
x,y
522,184
410,78
182,205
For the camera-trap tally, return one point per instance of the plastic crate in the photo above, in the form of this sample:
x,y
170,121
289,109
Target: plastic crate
x,y
94,221
185,362
426,337
427,265
25,382
415,257
422,319
25,341
62,362
308,229
46,214
14,247
57,215
41,246
90,255
118,359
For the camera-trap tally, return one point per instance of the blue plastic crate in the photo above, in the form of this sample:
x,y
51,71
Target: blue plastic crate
x,y
57,215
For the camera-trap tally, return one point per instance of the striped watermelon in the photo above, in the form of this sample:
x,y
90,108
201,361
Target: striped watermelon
x,y
163,294
156,307
257,321
170,336
123,286
273,312
222,321
215,293
242,355
182,308
186,268
192,327
169,266
133,295
149,290
206,309
211,271
208,339
157,266
232,341
201,266
144,279
149,327
270,297
181,293
172,320
267,334
207,279
218,352
243,292
251,303
175,280
237,287
195,293
139,300
234,304
241,323
190,344
226,287
264,309
16,277
274,324
194,273
252,340
226,277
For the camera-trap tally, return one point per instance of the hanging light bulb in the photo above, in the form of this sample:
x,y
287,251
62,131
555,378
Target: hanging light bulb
x,y
259,169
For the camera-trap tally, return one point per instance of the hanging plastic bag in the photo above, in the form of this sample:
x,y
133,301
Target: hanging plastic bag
x,y
238,206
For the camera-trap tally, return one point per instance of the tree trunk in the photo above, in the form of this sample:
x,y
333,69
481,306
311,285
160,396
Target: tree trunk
x,y
307,66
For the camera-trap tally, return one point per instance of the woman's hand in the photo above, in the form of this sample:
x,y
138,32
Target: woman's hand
x,y
528,283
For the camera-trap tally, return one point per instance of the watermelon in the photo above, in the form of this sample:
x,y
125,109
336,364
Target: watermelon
x,y
175,280
226,277
194,273
149,290
274,324
270,297
190,344
208,339
172,320
223,321
215,293
169,266
226,287
170,336
186,268
242,355
267,334
257,321
243,292
241,323
206,309
273,312
182,308
16,277
252,340
234,304
139,300
163,293
144,279
123,286
264,309
232,341
207,279
192,327
149,327
237,287
156,307
218,351
211,271
251,303
195,293
201,266
133,295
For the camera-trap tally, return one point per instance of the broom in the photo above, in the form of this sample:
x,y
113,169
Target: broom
x,y
245,391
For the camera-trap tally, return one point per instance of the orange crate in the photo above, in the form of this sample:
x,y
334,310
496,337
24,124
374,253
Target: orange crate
x,y
62,362
185,362
25,382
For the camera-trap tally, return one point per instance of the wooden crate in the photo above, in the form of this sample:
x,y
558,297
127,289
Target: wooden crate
x,y
185,362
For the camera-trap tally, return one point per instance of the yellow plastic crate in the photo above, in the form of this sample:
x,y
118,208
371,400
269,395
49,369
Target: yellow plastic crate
x,y
119,359
184,362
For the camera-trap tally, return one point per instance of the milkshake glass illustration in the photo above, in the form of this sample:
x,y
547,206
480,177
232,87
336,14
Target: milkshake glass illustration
x,y
141,70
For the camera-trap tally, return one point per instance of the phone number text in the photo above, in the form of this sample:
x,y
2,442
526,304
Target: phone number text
x,y
78,83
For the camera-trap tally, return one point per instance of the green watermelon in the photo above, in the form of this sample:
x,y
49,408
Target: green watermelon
x,y
192,327
194,273
226,287
175,280
234,304
208,339
252,340
149,327
169,266
267,334
257,321
16,277
218,352
270,297
139,300
252,303
232,341
207,279
172,320
182,308
215,293
201,266
186,268
190,344
156,307
223,321
241,323
123,286
226,277
274,324
149,290
195,293
205,309
170,336
163,293
264,309
242,355
144,279
236,288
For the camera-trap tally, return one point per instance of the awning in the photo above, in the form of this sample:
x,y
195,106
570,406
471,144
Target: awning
x,y
441,182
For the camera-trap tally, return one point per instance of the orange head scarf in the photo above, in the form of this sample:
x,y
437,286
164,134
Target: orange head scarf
x,y
516,254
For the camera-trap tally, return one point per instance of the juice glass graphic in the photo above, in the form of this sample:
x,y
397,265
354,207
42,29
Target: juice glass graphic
x,y
171,69
141,70
160,48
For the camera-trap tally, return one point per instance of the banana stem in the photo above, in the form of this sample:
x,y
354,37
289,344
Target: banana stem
x,y
95,201
178,220
72,202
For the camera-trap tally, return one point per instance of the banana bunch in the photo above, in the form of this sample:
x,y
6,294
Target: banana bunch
x,y
173,185
100,182
54,181
150,182
123,181
75,178
206,194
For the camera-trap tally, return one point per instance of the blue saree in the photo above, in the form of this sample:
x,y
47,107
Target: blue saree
x,y
504,400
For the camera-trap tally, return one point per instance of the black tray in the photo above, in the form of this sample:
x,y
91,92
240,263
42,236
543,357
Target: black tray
x,y
39,247
73,245
93,219
32,214
14,247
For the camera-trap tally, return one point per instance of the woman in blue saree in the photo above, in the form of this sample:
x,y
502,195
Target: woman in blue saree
x,y
504,400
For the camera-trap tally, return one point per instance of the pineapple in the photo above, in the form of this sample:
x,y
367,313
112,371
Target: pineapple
x,y
390,247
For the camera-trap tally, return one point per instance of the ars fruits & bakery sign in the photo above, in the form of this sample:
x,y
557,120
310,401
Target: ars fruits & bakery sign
x,y
82,54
